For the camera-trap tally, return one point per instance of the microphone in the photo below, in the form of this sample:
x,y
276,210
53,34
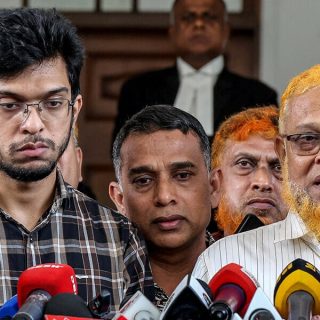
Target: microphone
x,y
138,307
37,284
66,305
100,305
261,308
233,289
249,222
296,294
32,309
9,308
191,299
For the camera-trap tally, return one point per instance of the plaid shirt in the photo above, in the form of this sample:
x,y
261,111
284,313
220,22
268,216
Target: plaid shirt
x,y
101,245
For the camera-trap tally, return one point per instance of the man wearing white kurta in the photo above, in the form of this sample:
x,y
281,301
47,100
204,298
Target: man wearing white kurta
x,y
266,251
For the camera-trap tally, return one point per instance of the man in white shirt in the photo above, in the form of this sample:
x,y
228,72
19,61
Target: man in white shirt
x,y
266,251
199,82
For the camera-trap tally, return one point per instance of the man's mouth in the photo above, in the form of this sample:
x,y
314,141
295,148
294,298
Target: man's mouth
x,y
261,203
169,223
33,149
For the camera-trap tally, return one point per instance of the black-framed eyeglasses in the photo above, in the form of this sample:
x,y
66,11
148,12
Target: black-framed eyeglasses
x,y
48,109
304,144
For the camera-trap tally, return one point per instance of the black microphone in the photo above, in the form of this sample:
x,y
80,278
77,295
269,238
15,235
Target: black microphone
x,y
191,300
249,222
67,304
100,305
32,308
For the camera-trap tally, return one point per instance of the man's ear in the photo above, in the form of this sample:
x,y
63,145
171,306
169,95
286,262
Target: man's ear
x,y
216,182
116,195
76,108
79,155
280,148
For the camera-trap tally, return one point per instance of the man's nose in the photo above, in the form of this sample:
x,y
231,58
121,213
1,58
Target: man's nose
x,y
262,180
199,22
165,192
32,121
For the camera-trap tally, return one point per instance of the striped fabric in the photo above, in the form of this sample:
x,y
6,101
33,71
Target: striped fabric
x,y
101,245
264,252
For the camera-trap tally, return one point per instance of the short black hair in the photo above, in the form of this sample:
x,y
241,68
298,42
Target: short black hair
x,y
30,36
155,118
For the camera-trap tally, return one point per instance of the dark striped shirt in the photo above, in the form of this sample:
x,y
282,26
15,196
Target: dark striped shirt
x,y
101,245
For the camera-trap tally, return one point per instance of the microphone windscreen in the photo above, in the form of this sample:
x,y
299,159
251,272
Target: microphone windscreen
x,y
51,277
67,304
299,275
234,274
100,305
261,308
9,308
138,307
191,299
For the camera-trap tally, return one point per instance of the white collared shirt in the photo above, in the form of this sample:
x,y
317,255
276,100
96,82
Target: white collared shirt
x,y
264,252
195,94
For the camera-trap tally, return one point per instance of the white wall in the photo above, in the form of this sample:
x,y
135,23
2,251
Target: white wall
x,y
290,39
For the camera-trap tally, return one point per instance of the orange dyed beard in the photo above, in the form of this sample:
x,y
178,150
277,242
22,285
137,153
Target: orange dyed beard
x,y
228,219
300,202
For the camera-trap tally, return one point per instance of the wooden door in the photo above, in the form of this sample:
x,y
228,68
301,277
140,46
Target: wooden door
x,y
121,45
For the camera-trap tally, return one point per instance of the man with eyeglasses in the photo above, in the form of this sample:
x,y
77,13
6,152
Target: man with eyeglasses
x,y
43,219
266,251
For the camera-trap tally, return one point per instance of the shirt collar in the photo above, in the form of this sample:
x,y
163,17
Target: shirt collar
x,y
61,192
292,227
213,68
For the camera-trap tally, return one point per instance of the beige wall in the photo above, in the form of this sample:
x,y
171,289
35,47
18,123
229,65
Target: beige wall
x,y
290,39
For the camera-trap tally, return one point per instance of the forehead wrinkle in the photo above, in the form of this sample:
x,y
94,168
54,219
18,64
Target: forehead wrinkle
x,y
256,154
315,126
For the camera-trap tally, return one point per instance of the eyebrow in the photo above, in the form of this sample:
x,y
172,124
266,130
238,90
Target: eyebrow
x,y
309,126
20,97
182,165
139,170
270,159
149,169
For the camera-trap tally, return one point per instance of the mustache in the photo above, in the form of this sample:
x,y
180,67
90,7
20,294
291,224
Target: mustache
x,y
31,139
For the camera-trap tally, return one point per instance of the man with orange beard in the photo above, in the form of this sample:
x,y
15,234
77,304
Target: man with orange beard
x,y
266,251
246,169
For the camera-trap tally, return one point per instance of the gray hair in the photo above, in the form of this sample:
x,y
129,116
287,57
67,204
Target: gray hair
x,y
155,118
